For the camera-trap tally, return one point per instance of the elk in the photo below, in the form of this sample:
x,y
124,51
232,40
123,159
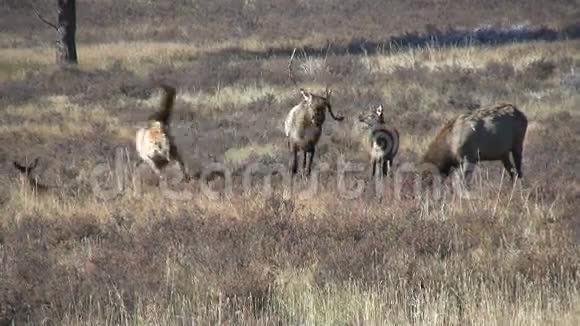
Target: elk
x,y
381,142
487,134
28,177
303,124
154,143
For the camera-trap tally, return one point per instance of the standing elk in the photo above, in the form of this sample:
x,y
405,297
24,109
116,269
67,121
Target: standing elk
x,y
154,143
381,142
487,134
303,124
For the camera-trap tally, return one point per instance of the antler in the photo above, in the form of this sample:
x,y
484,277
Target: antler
x,y
44,20
290,73
327,90
337,118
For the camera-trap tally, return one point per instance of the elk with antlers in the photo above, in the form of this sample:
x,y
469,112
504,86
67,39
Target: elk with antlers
x,y
303,124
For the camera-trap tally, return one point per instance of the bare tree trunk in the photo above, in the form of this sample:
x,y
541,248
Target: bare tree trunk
x,y
66,49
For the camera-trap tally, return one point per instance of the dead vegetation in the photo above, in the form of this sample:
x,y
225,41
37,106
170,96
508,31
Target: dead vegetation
x,y
507,254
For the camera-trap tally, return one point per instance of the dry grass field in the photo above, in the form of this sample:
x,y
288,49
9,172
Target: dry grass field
x,y
100,248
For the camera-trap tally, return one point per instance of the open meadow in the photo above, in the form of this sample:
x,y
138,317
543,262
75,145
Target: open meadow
x,y
100,247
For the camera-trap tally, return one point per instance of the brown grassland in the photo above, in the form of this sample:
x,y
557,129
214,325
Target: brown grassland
x,y
505,255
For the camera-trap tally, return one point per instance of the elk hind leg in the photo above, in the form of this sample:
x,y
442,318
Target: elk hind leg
x,y
517,154
507,164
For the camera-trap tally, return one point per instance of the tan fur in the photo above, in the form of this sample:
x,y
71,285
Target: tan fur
x,y
380,142
154,143
303,126
487,134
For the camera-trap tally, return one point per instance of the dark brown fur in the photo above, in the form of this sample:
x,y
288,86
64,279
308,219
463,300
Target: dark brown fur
x,y
29,178
167,101
439,152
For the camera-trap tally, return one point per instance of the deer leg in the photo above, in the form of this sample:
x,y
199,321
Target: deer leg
x,y
381,167
374,167
387,166
507,164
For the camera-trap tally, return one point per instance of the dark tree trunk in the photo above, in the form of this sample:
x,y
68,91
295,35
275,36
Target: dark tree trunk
x,y
66,49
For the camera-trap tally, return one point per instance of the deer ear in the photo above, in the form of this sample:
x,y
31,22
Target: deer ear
x,y
380,110
34,164
307,96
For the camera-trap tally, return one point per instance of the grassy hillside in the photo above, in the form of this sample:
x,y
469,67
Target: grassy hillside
x,y
307,22
129,254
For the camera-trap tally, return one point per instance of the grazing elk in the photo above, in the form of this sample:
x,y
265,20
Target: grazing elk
x,y
381,142
28,177
487,134
154,143
303,124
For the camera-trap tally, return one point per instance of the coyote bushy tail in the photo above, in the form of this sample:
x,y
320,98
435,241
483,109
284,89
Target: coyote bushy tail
x,y
167,101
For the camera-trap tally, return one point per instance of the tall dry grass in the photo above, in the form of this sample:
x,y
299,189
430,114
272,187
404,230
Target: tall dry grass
x,y
503,255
